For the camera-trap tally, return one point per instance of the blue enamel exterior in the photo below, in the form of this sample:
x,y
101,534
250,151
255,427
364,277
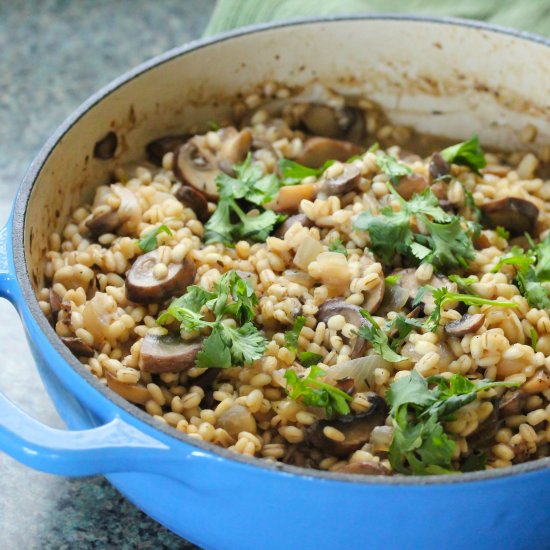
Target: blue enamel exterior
x,y
219,502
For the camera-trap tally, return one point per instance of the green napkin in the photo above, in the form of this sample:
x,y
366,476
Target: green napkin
x,y
528,15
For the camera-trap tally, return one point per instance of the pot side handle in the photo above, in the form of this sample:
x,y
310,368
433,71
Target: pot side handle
x,y
116,446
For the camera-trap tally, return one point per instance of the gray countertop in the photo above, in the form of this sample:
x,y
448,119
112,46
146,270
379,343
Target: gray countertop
x,y
53,55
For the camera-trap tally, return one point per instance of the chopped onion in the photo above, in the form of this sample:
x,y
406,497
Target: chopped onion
x,y
360,369
333,269
307,252
129,209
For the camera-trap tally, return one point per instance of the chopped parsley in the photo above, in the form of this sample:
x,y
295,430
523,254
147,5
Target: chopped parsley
x,y
292,335
314,393
392,167
308,358
468,153
148,243
420,445
229,343
534,338
337,246
392,280
442,297
532,272
251,188
446,244
464,283
294,172
501,232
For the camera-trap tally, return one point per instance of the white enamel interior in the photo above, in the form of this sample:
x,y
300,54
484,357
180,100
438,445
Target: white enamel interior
x,y
441,78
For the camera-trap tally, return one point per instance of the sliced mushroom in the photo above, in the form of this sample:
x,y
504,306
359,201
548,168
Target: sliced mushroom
x,y
135,393
352,314
410,185
195,200
55,304
517,215
317,150
142,286
198,166
512,403
237,419
347,181
465,325
157,148
105,148
538,383
347,385
374,298
356,428
343,123
206,379
104,222
77,346
366,467
301,219
167,353
438,168
409,282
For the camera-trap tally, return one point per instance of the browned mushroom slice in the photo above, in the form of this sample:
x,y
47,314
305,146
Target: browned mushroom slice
x,y
374,298
105,148
366,467
197,166
512,403
466,324
410,185
346,384
439,167
326,121
195,200
352,314
157,148
347,181
517,215
135,393
318,150
104,222
356,428
167,353
77,346
142,286
235,144
302,219
408,281
55,304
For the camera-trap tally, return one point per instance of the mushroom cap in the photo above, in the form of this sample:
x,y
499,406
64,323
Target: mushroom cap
x,y
157,148
135,393
317,150
409,282
78,346
517,215
466,324
366,467
167,353
411,185
438,167
347,181
195,200
142,286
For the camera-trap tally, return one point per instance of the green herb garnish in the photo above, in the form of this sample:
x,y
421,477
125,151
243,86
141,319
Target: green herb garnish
x,y
231,222
392,280
378,338
446,244
392,167
314,393
337,246
464,283
230,343
534,338
468,153
292,335
420,445
308,358
501,232
293,172
149,242
442,297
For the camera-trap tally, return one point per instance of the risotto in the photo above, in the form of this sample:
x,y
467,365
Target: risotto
x,y
310,284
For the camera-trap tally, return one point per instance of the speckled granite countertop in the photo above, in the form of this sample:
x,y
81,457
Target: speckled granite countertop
x,y
53,55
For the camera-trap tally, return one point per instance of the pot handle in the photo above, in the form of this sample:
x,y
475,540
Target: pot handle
x,y
117,446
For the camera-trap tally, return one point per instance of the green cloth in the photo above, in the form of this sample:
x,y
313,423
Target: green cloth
x,y
528,15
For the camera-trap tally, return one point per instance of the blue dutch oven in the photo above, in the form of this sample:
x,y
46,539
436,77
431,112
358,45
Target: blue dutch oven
x,y
443,76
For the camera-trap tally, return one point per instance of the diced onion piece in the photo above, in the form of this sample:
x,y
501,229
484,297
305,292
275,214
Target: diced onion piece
x,y
332,269
360,369
136,393
98,315
307,252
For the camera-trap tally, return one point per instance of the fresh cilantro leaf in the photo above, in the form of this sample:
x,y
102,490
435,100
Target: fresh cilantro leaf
x,y
503,233
308,358
392,167
534,338
378,338
314,393
420,444
537,293
470,202
293,172
337,246
424,204
468,153
392,280
442,297
374,147
542,253
403,326
258,228
148,243
463,282
516,257
291,336
233,298
213,126
474,463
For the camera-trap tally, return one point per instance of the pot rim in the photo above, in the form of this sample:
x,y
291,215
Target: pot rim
x,y
19,211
